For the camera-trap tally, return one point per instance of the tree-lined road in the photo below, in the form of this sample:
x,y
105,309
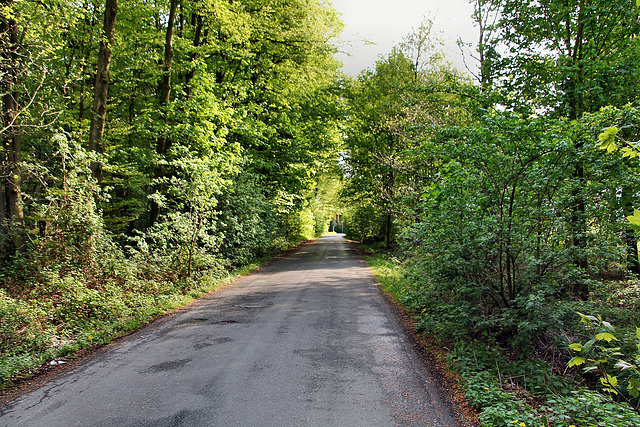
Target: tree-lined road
x,y
307,341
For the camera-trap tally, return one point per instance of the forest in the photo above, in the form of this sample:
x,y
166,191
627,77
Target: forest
x,y
152,150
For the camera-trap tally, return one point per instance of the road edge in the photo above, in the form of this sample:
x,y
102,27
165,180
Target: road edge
x,y
47,372
432,356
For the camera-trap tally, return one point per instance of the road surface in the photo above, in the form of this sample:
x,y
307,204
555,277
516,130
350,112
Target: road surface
x,y
307,341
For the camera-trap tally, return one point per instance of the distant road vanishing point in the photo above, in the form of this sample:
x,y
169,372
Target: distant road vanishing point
x,y
306,341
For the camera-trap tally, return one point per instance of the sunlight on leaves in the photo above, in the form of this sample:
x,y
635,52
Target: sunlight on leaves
x,y
634,220
606,336
607,139
577,361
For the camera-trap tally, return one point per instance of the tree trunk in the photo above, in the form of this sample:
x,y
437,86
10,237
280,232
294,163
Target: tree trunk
x,y
483,14
11,212
163,143
165,84
576,110
388,225
101,88
198,23
579,231
4,231
632,251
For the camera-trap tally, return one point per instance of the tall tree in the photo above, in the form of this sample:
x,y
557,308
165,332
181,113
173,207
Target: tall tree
x,y
101,88
11,209
163,142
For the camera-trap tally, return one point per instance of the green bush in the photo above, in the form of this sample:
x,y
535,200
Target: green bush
x,y
364,223
587,408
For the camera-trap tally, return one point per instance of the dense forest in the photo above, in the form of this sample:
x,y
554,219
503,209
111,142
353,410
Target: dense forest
x,y
152,148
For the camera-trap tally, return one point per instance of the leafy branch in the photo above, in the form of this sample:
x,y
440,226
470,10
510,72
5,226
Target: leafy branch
x,y
611,141
596,356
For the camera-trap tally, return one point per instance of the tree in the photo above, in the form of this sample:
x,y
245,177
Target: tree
x,y
101,88
390,111
374,145
163,142
485,17
569,56
564,59
11,209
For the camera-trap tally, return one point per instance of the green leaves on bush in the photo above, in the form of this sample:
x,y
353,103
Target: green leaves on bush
x,y
598,356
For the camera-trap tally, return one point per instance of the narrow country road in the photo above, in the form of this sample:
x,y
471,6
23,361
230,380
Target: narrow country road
x,y
307,341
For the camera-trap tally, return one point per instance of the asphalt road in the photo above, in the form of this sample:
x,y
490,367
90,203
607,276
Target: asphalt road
x,y
307,341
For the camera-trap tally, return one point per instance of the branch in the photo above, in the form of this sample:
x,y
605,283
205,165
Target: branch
x,y
33,97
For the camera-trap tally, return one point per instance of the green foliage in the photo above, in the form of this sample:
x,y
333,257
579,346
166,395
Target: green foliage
x,y
601,355
494,227
498,407
246,219
503,402
607,139
364,223
211,160
569,56
584,407
389,110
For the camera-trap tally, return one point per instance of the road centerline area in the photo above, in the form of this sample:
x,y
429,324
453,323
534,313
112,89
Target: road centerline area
x,y
307,341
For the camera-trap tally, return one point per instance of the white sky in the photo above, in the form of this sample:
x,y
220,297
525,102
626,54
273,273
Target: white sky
x,y
385,22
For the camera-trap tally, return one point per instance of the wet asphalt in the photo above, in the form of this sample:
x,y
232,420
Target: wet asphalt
x,y
307,341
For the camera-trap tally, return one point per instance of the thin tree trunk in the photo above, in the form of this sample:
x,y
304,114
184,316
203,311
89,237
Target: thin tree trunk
x,y
579,231
165,84
198,23
101,88
12,211
576,110
163,143
192,245
632,251
388,225
4,232
84,53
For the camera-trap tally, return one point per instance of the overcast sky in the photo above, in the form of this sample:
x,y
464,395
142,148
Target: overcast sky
x,y
385,22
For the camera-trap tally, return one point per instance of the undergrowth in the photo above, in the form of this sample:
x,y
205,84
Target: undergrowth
x,y
521,379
